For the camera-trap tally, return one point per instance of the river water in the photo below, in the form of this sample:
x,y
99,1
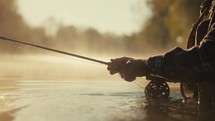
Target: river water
x,y
85,100
56,93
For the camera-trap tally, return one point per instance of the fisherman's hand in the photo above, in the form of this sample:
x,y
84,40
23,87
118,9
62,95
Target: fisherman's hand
x,y
128,68
117,65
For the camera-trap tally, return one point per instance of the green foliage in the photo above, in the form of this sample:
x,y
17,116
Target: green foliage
x,y
170,24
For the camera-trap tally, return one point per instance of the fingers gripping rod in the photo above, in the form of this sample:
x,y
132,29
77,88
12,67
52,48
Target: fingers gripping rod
x,y
54,50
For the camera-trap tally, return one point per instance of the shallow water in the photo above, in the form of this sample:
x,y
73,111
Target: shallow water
x,y
38,88
86,100
48,100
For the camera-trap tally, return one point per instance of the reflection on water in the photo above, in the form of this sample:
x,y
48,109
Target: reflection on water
x,y
9,115
170,110
78,94
90,100
176,110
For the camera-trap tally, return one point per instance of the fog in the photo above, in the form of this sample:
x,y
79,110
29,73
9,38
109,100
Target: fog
x,y
24,62
156,36
54,34
48,67
37,84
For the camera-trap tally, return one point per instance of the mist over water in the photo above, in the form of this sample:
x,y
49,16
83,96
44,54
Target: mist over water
x,y
47,87
54,34
37,85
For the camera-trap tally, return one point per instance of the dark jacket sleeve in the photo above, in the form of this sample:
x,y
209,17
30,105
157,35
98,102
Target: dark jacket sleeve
x,y
194,65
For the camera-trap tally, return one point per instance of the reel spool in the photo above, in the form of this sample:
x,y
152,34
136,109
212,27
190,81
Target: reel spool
x,y
157,89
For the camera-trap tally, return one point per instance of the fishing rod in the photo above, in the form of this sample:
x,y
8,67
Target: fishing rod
x,y
61,52
54,50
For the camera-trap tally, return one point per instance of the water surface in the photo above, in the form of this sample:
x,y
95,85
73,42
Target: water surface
x,y
85,100
47,88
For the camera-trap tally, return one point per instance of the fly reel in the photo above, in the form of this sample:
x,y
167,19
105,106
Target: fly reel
x,y
157,89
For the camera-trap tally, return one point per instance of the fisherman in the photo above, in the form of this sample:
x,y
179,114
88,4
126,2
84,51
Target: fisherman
x,y
195,64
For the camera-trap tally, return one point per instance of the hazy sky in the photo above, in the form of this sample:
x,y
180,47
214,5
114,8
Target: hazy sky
x,y
118,16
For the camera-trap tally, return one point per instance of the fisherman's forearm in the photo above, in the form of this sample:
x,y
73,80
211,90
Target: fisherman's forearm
x,y
178,65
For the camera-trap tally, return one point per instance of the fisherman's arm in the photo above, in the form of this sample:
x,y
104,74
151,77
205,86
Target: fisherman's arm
x,y
195,65
178,65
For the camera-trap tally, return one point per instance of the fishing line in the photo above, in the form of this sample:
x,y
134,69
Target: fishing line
x,y
139,85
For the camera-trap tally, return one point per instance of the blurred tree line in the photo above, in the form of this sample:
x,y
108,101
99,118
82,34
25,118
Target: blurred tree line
x,y
169,26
